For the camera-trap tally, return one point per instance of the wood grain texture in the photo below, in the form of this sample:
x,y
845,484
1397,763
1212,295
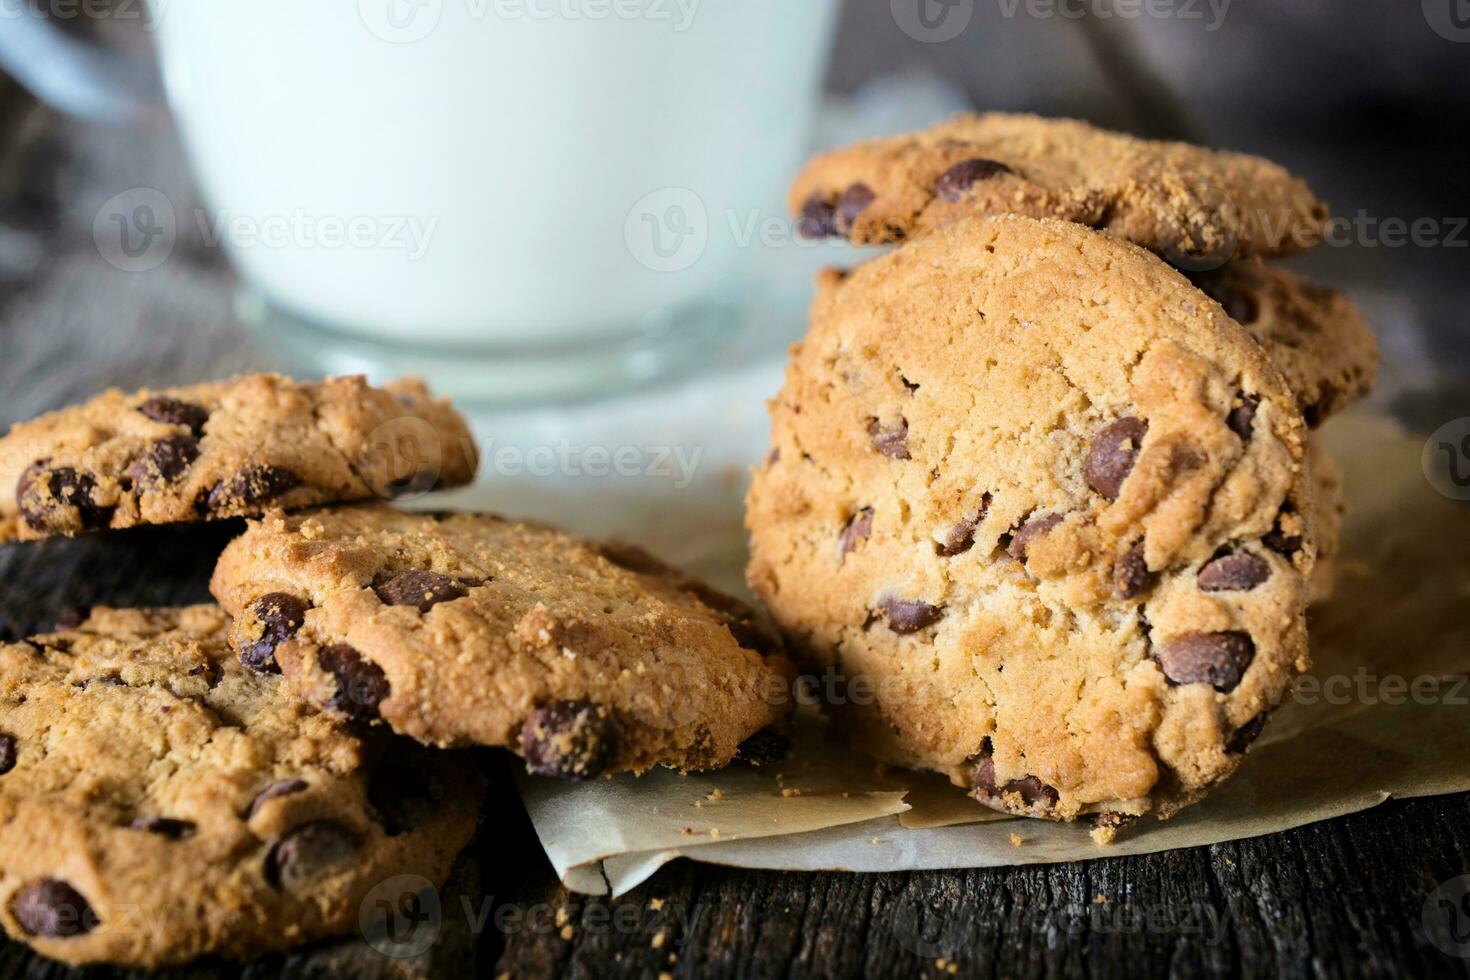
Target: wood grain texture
x,y
1342,898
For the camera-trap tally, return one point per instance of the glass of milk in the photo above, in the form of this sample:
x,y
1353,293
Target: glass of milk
x,y
518,199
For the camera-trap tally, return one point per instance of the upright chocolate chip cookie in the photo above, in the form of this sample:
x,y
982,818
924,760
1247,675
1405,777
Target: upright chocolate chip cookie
x,y
161,802
584,658
1082,576
1197,207
1312,333
223,449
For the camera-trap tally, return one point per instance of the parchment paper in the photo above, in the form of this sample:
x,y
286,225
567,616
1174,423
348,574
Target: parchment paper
x,y
1384,714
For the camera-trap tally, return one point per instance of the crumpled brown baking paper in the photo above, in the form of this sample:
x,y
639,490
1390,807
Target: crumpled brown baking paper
x,y
1386,712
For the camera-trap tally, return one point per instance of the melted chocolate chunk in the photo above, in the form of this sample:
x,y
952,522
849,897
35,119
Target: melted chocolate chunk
x,y
569,739
50,908
252,485
1113,452
172,411
857,529
957,180
361,684
277,789
423,590
1217,659
765,747
1238,572
164,461
818,218
892,442
166,827
307,851
1033,528
907,616
1131,575
280,615
852,203
1242,418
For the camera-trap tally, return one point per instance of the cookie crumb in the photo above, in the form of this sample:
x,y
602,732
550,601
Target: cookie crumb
x,y
788,793
567,933
658,939
1017,840
655,903
1100,899
715,794
1102,836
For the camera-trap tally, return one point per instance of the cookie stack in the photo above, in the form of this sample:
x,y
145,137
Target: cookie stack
x,y
1045,488
242,778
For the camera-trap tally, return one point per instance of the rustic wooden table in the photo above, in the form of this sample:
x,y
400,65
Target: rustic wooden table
x,y
1341,898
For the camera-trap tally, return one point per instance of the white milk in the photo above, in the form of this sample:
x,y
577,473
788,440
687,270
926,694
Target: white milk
x,y
465,172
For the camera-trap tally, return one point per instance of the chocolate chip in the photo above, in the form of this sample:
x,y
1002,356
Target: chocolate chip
x,y
280,615
1242,418
50,908
961,537
1238,572
1279,540
251,485
73,618
171,411
857,528
1113,452
892,442
404,797
8,753
1112,820
955,181
276,790
569,739
1242,737
423,590
1033,792
632,558
165,827
764,748
209,670
43,494
818,217
908,615
361,684
164,461
1131,575
1218,659
1239,303
852,203
307,851
1033,528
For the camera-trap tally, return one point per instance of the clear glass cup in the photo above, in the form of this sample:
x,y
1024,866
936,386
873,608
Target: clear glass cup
x,y
517,199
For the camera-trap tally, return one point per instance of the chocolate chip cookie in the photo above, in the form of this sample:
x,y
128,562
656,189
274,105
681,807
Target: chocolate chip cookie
x,y
159,802
1047,514
223,449
1195,206
461,628
1312,333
